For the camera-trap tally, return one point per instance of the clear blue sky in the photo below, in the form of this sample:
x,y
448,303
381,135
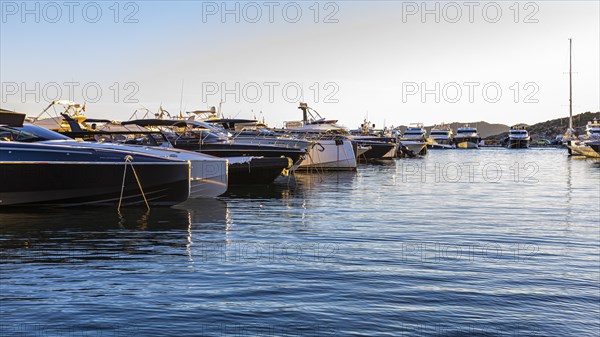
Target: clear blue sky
x,y
377,57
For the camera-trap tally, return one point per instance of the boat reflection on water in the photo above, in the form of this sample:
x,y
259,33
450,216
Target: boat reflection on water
x,y
205,213
189,213
60,235
294,186
311,186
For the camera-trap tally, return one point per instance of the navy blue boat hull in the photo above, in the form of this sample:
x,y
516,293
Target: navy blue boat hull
x,y
261,170
71,184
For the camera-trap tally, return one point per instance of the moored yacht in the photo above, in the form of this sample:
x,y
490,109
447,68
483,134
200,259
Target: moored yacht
x,y
201,137
414,140
440,137
208,175
590,149
589,146
466,138
333,151
595,145
370,144
49,174
254,133
34,172
241,170
592,130
518,138
377,148
247,163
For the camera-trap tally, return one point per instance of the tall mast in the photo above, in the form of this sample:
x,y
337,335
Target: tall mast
x,y
570,89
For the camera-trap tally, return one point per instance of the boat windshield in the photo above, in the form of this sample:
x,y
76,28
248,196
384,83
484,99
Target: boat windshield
x,y
203,134
29,133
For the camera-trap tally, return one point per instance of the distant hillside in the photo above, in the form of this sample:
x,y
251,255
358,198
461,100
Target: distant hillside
x,y
550,129
485,129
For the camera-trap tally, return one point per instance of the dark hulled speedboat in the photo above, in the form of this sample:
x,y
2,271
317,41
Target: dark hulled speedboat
x,y
595,145
36,173
379,147
33,173
258,134
253,170
248,163
241,170
377,144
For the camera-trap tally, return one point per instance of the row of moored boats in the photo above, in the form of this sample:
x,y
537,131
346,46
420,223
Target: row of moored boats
x,y
70,159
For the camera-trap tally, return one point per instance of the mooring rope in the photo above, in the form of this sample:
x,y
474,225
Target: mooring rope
x,y
129,159
123,184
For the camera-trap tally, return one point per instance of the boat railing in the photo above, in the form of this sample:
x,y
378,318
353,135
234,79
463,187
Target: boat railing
x,y
273,139
309,134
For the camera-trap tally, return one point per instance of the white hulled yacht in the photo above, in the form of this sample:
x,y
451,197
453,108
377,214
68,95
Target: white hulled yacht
x,y
466,138
592,130
333,151
440,137
518,138
414,140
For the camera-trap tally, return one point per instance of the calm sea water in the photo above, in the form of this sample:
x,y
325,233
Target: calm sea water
x,y
492,242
